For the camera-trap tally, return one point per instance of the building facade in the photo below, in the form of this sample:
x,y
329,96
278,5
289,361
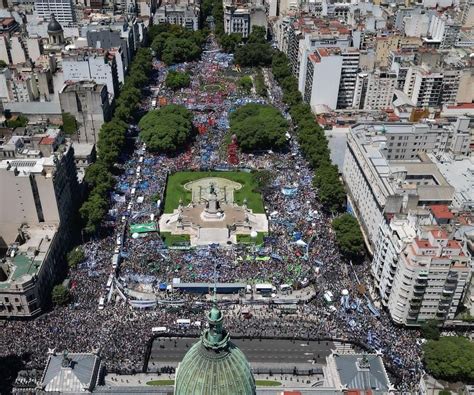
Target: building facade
x,y
88,102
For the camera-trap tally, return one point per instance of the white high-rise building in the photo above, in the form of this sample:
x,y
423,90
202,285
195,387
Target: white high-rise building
x,y
387,170
421,270
63,10
374,90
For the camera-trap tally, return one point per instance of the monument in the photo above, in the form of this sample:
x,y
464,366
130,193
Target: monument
x,y
213,216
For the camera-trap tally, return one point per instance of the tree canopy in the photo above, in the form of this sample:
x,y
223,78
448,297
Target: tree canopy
x,y
450,358
349,236
246,83
253,55
18,122
167,129
60,295
177,80
429,330
75,256
258,127
175,44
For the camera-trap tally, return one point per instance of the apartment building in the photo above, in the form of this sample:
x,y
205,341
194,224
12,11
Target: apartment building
x,y
421,271
374,90
385,44
63,10
387,171
306,34
430,87
444,31
323,75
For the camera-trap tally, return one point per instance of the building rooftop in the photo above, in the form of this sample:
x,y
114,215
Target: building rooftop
x,y
24,260
460,173
71,373
360,372
441,211
70,86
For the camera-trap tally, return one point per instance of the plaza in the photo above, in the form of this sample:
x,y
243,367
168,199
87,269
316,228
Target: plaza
x,y
213,215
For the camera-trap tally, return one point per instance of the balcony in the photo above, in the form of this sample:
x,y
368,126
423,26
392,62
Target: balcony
x,y
413,312
418,292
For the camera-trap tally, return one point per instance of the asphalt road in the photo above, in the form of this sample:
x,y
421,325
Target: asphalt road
x,y
166,350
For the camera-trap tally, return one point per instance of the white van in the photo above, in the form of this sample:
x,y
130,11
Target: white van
x,y
159,329
101,303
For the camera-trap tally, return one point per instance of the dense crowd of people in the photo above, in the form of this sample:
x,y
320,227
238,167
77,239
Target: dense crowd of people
x,y
291,204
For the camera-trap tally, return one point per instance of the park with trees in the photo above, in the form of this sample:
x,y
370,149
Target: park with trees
x,y
167,129
259,127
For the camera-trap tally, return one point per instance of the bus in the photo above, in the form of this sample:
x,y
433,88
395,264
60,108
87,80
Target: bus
x,y
264,289
183,322
115,260
109,282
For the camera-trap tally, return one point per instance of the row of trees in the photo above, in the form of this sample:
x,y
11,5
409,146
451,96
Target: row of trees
x,y
314,146
111,142
175,44
258,127
167,129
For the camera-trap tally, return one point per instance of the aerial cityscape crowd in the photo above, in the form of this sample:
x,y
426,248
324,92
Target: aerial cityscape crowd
x,y
122,333
377,103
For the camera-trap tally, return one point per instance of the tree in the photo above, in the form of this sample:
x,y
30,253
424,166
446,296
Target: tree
x,y
253,55
167,129
69,123
3,64
259,127
19,122
263,178
429,330
229,42
330,189
450,358
75,256
258,35
93,211
176,80
60,295
246,83
349,236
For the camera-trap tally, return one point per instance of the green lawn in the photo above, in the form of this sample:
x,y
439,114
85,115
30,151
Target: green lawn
x,y
158,383
267,383
171,239
175,189
247,239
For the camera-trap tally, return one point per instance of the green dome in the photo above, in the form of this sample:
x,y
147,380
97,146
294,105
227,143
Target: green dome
x,y
214,365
